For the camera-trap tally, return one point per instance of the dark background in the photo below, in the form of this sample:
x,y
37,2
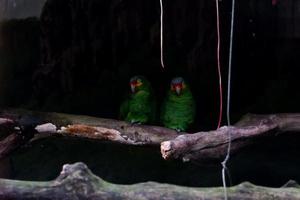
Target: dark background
x,y
77,57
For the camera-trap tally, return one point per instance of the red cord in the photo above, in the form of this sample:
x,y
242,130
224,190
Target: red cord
x,y
219,65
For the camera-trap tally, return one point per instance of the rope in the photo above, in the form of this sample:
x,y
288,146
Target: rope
x,y
219,66
161,34
224,168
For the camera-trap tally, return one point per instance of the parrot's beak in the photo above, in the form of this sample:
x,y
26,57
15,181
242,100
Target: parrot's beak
x,y
132,87
178,90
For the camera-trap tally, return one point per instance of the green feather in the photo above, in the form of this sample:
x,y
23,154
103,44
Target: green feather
x,y
140,106
178,111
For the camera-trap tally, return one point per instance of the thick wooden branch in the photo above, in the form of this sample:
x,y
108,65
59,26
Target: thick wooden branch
x,y
9,144
10,138
213,144
78,182
47,124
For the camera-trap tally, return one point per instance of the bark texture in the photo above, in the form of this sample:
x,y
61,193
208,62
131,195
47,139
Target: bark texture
x,y
213,144
47,124
202,146
76,181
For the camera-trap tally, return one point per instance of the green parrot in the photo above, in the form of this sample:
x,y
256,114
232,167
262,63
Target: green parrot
x,y
179,108
140,105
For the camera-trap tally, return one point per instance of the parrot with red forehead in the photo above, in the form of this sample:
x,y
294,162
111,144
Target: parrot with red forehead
x,y
140,106
179,108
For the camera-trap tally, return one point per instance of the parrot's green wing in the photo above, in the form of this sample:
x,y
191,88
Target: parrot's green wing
x,y
178,112
140,107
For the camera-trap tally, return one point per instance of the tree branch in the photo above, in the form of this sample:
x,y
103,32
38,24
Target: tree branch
x,y
213,144
78,182
201,146
47,124
8,144
9,137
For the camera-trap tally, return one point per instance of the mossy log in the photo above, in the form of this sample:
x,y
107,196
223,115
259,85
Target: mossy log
x,y
77,182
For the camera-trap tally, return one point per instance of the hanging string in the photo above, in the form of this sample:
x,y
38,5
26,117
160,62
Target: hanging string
x,y
219,65
161,34
230,64
224,168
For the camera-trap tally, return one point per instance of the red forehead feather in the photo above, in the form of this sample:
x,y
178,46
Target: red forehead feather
x,y
133,82
175,85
